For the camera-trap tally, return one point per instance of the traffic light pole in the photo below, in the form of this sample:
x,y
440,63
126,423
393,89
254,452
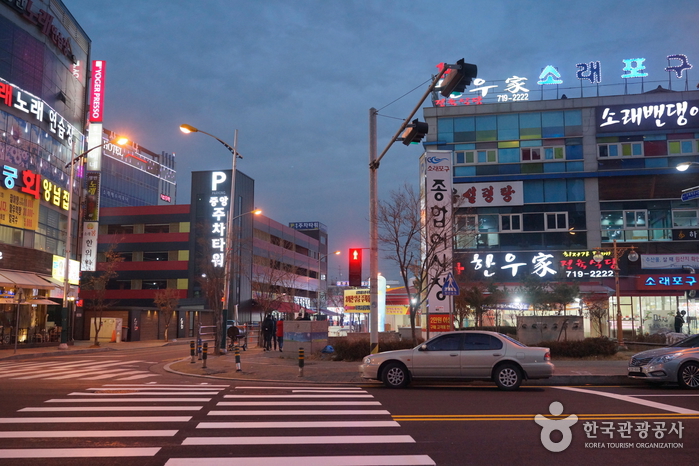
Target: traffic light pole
x,y
374,162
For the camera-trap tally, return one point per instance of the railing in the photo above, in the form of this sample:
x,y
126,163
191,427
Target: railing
x,y
29,336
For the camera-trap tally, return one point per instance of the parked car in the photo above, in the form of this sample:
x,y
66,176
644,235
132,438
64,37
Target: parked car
x,y
676,363
470,355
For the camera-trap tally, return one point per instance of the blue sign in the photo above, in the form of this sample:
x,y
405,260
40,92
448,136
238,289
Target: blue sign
x,y
450,287
690,195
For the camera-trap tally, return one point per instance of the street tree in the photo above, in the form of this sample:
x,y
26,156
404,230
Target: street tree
x,y
166,301
94,288
563,293
597,309
405,239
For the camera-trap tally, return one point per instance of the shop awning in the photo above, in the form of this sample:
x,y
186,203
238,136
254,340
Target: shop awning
x,y
24,280
41,301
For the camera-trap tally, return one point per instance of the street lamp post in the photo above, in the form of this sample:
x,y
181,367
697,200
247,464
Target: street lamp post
x,y
633,257
237,299
69,233
228,267
320,274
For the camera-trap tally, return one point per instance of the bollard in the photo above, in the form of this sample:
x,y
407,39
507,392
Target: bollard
x,y
237,359
300,362
191,350
204,355
199,347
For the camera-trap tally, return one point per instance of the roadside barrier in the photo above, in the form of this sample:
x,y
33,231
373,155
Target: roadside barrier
x,y
191,351
204,356
301,362
237,359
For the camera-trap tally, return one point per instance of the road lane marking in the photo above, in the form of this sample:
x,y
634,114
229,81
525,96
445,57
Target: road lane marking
x,y
297,412
298,403
250,387
299,396
87,433
150,387
78,419
530,417
381,460
131,400
107,392
78,452
135,377
630,399
294,425
299,440
109,408
204,386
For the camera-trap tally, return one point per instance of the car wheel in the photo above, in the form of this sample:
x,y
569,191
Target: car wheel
x,y
508,377
395,375
688,376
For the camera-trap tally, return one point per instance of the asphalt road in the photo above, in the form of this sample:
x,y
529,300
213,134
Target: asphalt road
x,y
60,411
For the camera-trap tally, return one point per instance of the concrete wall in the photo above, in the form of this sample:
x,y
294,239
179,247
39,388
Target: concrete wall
x,y
534,329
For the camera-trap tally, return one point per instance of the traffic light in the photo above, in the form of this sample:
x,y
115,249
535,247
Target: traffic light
x,y
414,132
355,267
456,80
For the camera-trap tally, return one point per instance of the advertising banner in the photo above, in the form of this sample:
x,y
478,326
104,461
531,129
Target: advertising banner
x,y
357,301
19,210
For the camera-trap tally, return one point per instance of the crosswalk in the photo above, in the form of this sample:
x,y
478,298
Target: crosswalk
x,y
211,424
87,369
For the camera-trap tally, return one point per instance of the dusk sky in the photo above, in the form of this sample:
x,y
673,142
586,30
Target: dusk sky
x,y
297,80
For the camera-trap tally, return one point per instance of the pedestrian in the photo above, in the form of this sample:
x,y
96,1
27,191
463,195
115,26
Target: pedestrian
x,y
267,329
679,321
280,333
274,333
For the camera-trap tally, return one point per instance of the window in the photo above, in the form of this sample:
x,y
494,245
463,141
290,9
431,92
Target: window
x,y
556,221
471,157
154,256
624,149
684,218
119,229
537,154
481,341
164,228
446,343
154,284
511,222
683,147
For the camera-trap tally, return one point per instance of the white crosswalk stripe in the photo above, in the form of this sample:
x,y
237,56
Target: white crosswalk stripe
x,y
97,369
150,416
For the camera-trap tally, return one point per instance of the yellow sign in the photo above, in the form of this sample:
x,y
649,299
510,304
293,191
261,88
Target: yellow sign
x,y
357,301
397,309
19,210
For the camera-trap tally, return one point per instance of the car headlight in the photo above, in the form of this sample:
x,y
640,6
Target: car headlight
x,y
367,360
665,358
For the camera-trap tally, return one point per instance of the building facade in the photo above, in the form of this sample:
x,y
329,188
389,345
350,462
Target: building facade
x,y
43,75
542,185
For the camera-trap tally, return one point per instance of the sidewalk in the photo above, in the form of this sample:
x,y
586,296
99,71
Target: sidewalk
x,y
270,366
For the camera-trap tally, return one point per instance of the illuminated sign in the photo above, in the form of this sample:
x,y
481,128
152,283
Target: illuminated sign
x,y
92,197
58,270
97,91
358,301
671,282
515,87
19,210
36,109
305,225
219,203
685,235
439,323
647,117
490,194
89,249
669,261
32,184
165,197
514,266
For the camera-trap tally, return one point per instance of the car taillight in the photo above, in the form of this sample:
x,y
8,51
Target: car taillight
x,y
547,356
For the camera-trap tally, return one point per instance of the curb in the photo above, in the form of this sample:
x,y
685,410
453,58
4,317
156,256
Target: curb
x,y
55,353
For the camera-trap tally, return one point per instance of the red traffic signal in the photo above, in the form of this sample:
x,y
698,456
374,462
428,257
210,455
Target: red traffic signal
x,y
458,78
355,267
414,132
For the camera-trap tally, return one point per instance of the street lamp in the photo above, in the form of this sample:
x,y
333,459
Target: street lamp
x,y
237,296
320,274
618,252
229,234
69,233
685,165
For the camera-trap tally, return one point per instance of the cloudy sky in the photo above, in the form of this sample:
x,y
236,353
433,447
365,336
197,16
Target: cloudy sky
x,y
297,78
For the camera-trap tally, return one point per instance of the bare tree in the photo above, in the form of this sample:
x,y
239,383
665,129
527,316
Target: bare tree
x,y
94,288
597,307
563,294
403,235
166,301
273,283
478,298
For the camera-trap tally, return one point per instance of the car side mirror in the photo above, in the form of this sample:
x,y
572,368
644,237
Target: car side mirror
x,y
422,348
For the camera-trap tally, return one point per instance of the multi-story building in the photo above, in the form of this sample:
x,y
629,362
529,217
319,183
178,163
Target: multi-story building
x,y
543,184
43,75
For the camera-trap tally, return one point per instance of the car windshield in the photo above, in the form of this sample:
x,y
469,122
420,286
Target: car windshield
x,y
518,343
691,342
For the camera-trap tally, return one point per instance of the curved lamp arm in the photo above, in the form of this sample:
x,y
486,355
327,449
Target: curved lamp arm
x,y
191,129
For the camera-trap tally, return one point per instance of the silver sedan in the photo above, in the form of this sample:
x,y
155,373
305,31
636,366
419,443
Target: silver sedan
x,y
471,355
677,363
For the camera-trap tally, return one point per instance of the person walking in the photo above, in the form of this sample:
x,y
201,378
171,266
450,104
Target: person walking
x,y
280,333
274,333
679,321
267,329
